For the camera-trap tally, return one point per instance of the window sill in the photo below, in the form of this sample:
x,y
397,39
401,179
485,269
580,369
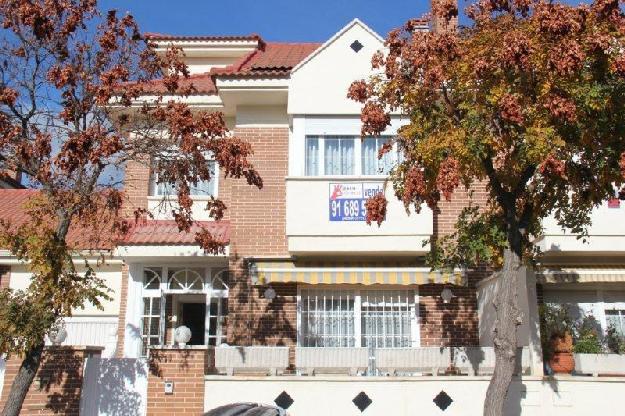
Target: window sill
x,y
173,198
339,178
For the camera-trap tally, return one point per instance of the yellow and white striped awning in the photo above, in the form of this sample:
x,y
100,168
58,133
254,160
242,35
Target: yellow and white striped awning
x,y
287,272
581,274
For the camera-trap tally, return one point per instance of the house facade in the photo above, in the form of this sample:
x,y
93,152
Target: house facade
x,y
309,307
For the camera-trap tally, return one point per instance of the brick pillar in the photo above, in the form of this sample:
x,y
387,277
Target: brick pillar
x,y
185,367
5,276
57,386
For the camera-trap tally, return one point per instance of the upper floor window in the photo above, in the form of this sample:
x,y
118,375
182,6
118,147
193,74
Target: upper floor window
x,y
201,188
347,155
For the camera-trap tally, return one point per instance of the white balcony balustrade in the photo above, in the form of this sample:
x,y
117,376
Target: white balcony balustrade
x,y
429,360
251,360
327,214
605,235
326,360
600,364
481,360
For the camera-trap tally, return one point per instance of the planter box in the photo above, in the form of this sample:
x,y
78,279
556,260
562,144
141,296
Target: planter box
x,y
316,360
596,364
268,360
429,360
481,360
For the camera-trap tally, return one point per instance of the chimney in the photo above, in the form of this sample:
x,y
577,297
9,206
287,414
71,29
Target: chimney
x,y
439,24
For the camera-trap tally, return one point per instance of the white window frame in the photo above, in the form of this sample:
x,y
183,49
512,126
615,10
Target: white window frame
x,y
357,154
153,185
208,275
415,326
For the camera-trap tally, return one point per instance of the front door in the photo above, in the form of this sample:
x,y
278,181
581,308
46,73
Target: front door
x,y
194,318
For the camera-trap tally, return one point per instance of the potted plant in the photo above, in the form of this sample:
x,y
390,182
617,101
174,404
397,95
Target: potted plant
x,y
557,338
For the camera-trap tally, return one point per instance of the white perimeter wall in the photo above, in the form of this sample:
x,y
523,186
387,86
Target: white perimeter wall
x,y
314,396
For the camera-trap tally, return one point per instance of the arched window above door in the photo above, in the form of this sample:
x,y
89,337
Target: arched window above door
x,y
185,279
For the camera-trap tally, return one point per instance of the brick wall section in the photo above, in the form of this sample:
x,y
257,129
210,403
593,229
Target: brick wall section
x,y
136,186
455,323
258,221
57,386
121,319
186,368
5,276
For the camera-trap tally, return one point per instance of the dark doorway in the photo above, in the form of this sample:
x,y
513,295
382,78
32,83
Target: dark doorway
x,y
194,317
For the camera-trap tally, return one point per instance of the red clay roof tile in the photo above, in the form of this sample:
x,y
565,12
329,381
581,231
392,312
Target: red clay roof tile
x,y
166,232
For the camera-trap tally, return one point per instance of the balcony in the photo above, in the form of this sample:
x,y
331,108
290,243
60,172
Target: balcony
x,y
606,234
327,215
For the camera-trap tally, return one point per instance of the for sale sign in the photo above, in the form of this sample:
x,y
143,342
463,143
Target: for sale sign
x,y
347,200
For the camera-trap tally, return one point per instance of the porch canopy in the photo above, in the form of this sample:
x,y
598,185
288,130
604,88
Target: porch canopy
x,y
390,274
581,274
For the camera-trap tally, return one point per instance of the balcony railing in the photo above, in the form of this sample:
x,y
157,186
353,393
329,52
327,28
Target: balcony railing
x,y
363,361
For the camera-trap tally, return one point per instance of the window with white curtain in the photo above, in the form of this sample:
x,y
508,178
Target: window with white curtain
x,y
371,165
338,155
201,188
347,155
312,156
358,318
387,318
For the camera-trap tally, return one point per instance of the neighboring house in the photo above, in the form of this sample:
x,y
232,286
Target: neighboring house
x,y
302,269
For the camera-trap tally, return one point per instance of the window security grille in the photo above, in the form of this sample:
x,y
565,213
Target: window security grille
x,y
358,318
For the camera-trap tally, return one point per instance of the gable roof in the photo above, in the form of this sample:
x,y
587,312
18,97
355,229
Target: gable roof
x,y
346,28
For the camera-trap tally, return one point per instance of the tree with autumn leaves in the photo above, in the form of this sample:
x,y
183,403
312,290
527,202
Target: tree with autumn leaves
x,y
81,94
528,99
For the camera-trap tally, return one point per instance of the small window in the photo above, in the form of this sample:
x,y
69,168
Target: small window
x,y
339,156
201,188
616,318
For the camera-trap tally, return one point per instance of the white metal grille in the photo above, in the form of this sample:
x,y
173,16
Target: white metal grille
x,y
327,318
361,318
387,318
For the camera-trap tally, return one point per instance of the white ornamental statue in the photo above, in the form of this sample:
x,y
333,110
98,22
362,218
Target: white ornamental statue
x,y
182,335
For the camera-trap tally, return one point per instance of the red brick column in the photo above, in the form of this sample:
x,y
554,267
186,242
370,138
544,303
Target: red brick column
x,y
185,367
57,386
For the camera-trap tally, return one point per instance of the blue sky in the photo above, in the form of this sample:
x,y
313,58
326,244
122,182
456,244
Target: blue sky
x,y
274,20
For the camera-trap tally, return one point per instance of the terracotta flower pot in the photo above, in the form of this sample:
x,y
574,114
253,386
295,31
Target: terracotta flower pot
x,y
562,361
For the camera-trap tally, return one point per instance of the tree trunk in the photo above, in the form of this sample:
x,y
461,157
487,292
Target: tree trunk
x,y
507,319
23,380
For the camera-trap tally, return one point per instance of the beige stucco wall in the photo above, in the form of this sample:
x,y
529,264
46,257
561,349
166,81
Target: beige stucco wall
x,y
20,279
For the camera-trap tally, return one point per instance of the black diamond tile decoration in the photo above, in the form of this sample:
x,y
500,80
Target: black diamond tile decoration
x,y
362,401
284,400
356,46
442,400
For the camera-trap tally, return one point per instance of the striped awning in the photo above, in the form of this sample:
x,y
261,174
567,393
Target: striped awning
x,y
286,272
581,274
